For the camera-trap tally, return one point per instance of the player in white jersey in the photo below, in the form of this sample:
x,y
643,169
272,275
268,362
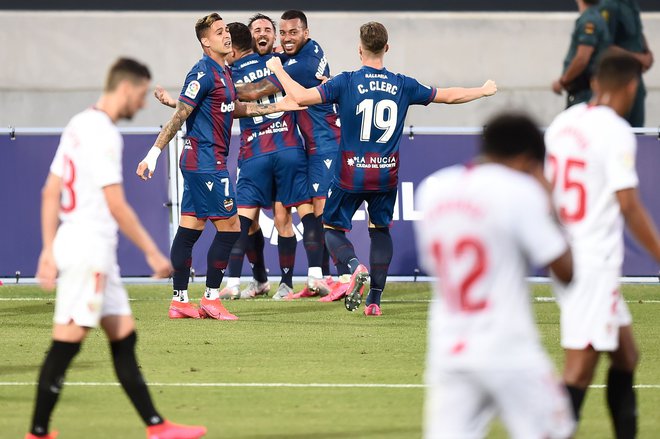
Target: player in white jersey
x,y
482,225
591,163
83,206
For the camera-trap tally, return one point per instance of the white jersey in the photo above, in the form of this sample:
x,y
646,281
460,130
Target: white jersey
x,y
591,156
482,227
88,158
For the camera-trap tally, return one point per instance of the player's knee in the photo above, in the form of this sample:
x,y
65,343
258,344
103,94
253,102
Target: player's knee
x,y
579,376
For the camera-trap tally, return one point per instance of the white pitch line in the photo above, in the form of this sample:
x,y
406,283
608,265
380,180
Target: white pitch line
x,y
280,385
293,385
541,299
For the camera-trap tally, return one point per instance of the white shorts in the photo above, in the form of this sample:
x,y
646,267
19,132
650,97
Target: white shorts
x,y
531,403
89,285
592,310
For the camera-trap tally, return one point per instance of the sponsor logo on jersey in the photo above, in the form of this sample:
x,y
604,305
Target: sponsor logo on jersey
x,y
209,184
328,163
227,108
228,203
372,162
192,89
316,187
200,75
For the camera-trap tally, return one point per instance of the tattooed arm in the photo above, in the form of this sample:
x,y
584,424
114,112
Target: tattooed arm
x,y
251,109
167,133
251,91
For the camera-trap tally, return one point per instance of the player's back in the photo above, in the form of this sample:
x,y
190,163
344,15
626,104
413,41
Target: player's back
x,y
273,132
482,225
591,156
373,104
87,159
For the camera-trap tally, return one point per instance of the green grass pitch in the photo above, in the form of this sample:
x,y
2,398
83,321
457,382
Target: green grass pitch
x,y
240,363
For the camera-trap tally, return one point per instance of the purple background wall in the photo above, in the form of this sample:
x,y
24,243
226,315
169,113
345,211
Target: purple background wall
x,y
24,164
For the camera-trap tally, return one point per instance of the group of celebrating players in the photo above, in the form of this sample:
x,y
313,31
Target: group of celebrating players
x,y
483,222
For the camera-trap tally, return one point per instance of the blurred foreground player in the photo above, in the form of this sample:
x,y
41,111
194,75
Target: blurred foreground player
x,y
482,224
84,188
373,103
591,163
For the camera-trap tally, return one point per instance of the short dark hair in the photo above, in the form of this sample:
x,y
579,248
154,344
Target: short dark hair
x,y
615,70
292,14
373,37
241,38
204,23
509,134
260,16
591,2
126,69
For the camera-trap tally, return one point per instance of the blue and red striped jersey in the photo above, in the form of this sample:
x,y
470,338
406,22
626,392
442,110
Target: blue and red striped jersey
x,y
319,124
372,106
267,134
210,90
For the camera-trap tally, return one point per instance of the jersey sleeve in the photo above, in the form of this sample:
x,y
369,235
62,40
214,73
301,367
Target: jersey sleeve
x,y
331,91
197,85
538,232
587,34
419,94
620,166
106,159
57,165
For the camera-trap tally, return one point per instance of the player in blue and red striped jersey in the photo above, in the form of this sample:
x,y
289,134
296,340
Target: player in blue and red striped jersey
x,y
208,105
272,169
373,103
319,125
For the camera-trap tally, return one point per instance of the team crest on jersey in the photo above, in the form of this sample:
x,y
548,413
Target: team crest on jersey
x,y
589,28
228,203
192,89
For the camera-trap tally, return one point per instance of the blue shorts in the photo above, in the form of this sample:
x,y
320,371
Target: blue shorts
x,y
342,205
280,176
208,195
321,169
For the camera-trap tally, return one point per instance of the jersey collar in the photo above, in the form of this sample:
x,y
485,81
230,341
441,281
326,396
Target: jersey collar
x,y
213,63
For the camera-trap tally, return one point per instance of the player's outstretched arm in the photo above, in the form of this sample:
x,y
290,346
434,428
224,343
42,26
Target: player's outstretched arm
x,y
639,221
300,94
460,95
164,97
251,91
252,109
130,225
148,164
50,207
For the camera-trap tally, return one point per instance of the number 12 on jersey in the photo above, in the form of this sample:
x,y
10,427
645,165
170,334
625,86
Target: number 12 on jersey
x,y
459,292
